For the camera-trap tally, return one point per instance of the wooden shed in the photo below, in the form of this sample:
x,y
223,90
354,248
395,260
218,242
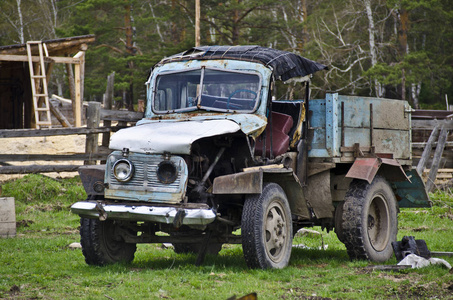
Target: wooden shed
x,y
22,88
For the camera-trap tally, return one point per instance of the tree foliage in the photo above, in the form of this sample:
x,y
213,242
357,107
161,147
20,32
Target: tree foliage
x,y
392,48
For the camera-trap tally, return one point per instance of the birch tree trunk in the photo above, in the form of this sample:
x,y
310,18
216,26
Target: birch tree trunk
x,y
21,22
402,39
379,90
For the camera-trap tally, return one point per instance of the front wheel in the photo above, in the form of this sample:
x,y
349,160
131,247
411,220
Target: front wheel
x,y
101,245
267,229
370,221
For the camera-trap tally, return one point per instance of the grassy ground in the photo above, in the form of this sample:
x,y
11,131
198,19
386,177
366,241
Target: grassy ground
x,y
38,264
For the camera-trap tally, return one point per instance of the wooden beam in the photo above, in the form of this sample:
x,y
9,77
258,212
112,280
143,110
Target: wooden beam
x,y
59,115
51,157
9,133
55,59
108,101
427,151
436,160
430,124
121,115
92,140
38,169
78,99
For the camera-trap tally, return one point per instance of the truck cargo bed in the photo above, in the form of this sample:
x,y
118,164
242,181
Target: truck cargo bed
x,y
340,125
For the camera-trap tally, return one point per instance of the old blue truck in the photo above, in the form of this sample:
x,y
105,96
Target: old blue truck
x,y
216,153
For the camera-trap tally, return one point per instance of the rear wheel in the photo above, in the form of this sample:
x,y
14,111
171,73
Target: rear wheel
x,y
101,245
267,229
370,222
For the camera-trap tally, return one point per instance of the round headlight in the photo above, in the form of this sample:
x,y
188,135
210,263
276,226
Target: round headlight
x,y
123,170
166,172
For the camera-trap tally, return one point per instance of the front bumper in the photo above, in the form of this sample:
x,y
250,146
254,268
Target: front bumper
x,y
193,216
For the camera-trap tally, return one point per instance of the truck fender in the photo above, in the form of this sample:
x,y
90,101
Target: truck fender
x,y
251,182
367,168
92,178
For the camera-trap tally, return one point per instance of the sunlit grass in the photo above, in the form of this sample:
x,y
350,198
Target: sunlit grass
x,y
38,263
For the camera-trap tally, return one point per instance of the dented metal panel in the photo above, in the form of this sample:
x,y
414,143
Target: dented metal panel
x,y
411,193
171,137
250,124
367,168
193,216
239,183
91,175
364,168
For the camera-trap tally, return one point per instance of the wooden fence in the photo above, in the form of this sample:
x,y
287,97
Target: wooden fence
x,y
424,147
93,152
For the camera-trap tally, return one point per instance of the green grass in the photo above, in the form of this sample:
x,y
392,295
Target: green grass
x,y
37,264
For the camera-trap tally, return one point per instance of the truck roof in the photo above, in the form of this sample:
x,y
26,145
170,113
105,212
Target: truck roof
x,y
285,65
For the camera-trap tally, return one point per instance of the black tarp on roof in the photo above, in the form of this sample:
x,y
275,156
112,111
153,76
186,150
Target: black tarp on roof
x,y
285,65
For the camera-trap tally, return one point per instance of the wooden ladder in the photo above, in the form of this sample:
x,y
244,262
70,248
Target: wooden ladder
x,y
39,85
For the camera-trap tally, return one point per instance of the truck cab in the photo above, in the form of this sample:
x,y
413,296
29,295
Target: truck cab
x,y
214,153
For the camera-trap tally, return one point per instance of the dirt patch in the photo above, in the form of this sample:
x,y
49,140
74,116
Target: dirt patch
x,y
69,144
431,290
24,223
299,293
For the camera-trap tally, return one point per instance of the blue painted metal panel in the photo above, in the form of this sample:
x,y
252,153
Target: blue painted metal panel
x,y
332,138
411,194
391,125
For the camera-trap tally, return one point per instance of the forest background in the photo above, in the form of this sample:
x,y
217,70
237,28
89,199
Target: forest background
x,y
400,49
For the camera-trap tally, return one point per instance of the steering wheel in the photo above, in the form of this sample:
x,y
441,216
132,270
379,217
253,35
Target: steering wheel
x,y
238,91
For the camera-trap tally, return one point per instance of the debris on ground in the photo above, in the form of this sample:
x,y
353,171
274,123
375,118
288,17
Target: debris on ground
x,y
415,253
418,262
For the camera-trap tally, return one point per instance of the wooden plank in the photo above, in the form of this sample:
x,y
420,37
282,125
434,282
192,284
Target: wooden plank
x,y
423,145
121,115
78,99
51,157
38,169
430,124
108,101
436,159
59,115
444,176
9,133
92,140
425,113
427,151
55,59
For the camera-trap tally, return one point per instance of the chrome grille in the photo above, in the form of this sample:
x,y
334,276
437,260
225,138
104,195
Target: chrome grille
x,y
145,176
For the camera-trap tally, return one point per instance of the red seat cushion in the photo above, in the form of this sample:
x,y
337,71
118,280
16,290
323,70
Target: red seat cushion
x,y
280,140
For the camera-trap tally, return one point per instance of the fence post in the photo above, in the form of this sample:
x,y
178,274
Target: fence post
x,y
7,217
108,100
92,140
436,159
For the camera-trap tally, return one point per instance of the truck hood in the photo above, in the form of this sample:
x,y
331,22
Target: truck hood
x,y
172,137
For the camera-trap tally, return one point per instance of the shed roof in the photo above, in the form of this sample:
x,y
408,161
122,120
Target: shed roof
x,y
55,47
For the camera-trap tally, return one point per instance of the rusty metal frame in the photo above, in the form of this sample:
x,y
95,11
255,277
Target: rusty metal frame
x,y
367,168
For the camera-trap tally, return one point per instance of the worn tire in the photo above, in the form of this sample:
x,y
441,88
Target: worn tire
x,y
99,244
267,229
370,221
339,222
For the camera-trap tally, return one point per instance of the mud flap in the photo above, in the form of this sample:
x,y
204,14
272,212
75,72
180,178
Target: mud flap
x,y
411,193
